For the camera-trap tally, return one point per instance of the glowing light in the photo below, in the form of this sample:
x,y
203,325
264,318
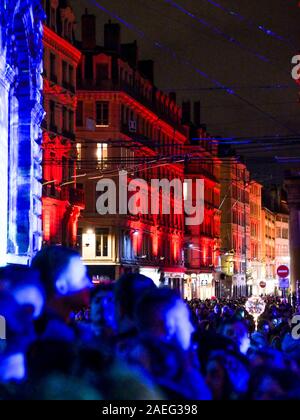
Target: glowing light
x,y
256,307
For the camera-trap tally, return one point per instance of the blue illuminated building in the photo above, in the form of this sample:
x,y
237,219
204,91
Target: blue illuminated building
x,y
21,113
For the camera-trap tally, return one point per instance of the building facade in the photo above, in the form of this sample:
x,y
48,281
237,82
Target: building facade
x,y
21,113
203,241
275,199
292,185
255,261
235,228
268,229
124,123
62,200
282,243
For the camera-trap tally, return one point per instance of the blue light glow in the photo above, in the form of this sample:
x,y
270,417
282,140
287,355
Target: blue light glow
x,y
21,114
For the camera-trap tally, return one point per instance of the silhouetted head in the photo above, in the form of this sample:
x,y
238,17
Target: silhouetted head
x,y
163,314
25,286
237,331
64,277
103,306
61,271
128,290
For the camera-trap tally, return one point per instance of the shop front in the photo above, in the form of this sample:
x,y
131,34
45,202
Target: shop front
x,y
174,278
239,285
199,286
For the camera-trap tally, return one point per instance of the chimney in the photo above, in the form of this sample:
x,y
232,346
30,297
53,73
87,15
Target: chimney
x,y
130,53
172,96
197,113
112,37
146,67
88,25
186,112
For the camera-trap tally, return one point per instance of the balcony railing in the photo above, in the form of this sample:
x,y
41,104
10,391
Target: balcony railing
x,y
76,197
68,134
52,191
151,103
68,86
53,128
53,78
73,195
137,137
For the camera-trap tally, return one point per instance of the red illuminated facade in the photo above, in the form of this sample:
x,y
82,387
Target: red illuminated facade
x,y
203,241
62,200
125,123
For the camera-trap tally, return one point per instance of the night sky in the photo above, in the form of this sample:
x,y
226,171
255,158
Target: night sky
x,y
240,64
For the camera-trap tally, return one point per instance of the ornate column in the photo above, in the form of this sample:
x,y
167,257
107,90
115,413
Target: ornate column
x,y
6,79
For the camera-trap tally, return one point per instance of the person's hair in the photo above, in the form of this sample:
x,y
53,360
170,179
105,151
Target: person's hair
x,y
232,321
129,288
102,288
14,277
50,263
228,388
153,305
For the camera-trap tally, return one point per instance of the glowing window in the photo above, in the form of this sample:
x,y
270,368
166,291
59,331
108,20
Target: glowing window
x,y
102,114
102,153
79,154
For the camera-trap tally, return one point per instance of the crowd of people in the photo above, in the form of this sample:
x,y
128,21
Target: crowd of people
x,y
130,340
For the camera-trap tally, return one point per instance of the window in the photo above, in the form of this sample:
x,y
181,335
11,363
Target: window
x,y
79,114
285,233
101,72
88,70
65,169
102,242
45,61
53,18
79,154
64,119
71,77
102,114
71,121
102,154
52,115
64,73
53,76
79,73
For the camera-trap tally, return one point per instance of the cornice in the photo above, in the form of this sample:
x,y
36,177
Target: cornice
x,y
60,44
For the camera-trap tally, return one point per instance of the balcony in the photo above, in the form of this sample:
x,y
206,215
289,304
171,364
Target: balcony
x,y
76,197
150,103
138,138
51,191
68,86
53,128
73,195
68,134
53,78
